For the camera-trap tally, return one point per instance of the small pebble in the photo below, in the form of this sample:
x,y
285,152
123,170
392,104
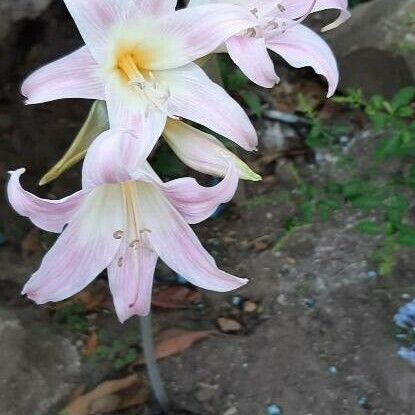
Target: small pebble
x,y
333,370
372,274
250,307
236,301
273,410
228,325
344,140
405,296
309,303
363,402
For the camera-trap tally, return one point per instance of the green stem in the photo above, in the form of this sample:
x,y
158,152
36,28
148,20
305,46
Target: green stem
x,y
151,363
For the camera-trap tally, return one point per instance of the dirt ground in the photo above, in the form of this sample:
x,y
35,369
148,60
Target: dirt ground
x,y
319,341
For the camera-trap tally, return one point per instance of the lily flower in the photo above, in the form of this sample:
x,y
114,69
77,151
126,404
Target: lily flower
x,y
139,58
196,149
123,219
279,29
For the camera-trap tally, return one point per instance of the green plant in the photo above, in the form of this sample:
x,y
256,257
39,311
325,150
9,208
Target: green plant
x,y
237,83
120,352
73,317
396,116
385,199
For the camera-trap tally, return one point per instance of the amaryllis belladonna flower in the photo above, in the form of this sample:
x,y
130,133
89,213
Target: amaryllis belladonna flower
x,y
123,219
139,58
278,28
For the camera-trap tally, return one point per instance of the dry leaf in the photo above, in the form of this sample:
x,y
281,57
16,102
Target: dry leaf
x,y
92,298
31,244
176,298
110,396
261,244
172,342
91,345
228,325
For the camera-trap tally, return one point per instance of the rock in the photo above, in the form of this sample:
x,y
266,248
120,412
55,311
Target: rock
x,y
36,366
12,11
375,48
228,325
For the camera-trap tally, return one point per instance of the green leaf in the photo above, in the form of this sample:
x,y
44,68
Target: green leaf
x,y
387,148
366,203
369,227
405,112
403,98
407,235
253,101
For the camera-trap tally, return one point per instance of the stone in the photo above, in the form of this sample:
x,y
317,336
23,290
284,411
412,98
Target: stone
x,y
12,11
37,367
375,48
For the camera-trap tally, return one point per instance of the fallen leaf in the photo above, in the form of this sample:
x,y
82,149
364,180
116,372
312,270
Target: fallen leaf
x,y
92,298
176,298
31,244
172,342
91,345
228,325
110,396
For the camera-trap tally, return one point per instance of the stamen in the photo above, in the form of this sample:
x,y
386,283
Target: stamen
x,y
150,89
135,244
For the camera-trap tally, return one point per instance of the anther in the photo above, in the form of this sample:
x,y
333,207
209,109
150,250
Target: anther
x,y
118,234
120,261
135,244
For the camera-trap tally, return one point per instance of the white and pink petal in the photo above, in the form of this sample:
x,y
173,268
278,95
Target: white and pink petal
x,y
194,202
73,76
85,248
251,56
203,152
156,7
177,245
301,47
130,278
195,97
49,215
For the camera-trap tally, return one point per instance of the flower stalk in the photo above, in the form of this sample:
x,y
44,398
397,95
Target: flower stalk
x,y
153,371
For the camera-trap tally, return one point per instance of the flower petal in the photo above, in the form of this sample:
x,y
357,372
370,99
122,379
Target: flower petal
x,y
300,47
195,97
198,31
94,19
112,158
50,215
84,249
156,7
203,152
177,245
295,9
193,201
128,110
251,56
73,76
131,280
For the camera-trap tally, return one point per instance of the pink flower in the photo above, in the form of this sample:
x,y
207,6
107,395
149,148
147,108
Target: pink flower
x,y
123,219
278,30
139,58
